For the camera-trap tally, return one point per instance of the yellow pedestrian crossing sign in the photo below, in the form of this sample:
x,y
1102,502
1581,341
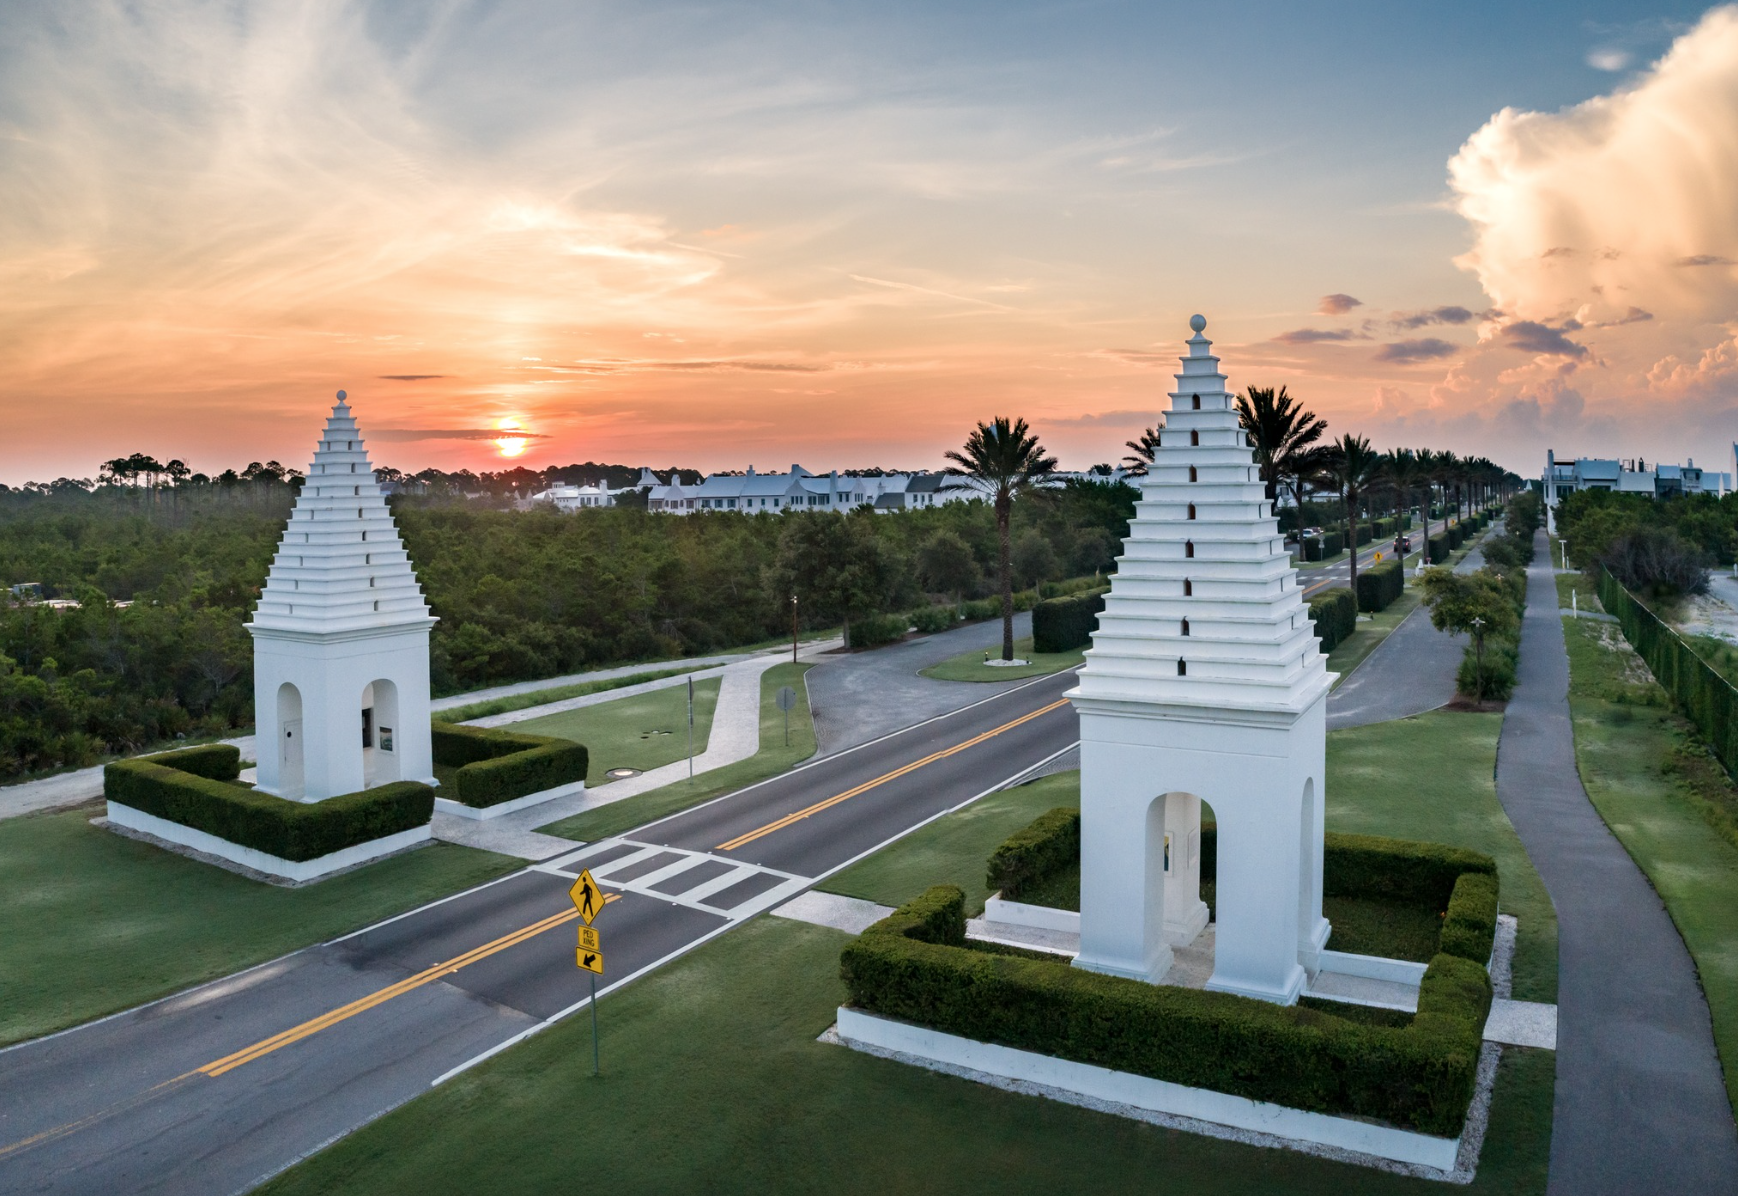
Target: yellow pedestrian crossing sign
x,y
1378,556
591,961
589,939
587,898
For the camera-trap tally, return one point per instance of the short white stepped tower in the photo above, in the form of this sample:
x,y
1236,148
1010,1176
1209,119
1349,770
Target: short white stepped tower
x,y
1204,681
340,638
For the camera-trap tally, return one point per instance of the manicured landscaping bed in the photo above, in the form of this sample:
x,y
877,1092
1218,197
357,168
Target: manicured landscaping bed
x,y
489,766
713,1082
971,666
774,757
645,731
94,923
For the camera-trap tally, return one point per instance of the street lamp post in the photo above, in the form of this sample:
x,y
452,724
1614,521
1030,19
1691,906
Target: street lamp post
x,y
793,628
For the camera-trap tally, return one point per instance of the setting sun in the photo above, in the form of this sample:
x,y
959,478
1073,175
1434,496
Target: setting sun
x,y
513,441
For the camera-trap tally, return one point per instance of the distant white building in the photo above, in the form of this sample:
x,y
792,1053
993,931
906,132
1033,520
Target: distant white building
x,y
564,496
799,490
1563,478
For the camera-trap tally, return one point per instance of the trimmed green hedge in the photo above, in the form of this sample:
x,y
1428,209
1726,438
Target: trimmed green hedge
x,y
1319,548
214,761
1063,624
933,618
1380,585
1336,616
1035,852
1469,927
496,766
1438,548
1706,697
870,631
914,965
290,830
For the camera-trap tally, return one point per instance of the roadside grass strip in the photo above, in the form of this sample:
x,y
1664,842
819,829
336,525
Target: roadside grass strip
x,y
1664,797
713,1080
773,758
96,923
972,666
543,697
643,732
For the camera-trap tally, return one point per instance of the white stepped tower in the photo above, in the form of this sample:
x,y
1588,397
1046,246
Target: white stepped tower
x,y
340,637
1204,681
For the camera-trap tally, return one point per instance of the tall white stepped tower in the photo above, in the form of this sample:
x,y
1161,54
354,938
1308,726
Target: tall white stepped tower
x,y
340,637
1204,682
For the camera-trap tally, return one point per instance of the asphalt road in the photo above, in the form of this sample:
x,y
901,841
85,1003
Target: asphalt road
x,y
220,1087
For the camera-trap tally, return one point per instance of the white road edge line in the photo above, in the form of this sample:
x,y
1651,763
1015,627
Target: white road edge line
x,y
732,923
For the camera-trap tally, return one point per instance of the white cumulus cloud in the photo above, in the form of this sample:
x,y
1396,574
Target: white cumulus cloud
x,y
1629,200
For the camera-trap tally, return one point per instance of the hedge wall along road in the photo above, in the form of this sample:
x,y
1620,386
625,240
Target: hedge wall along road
x,y
497,766
1063,624
1706,697
1380,585
196,788
1335,614
914,965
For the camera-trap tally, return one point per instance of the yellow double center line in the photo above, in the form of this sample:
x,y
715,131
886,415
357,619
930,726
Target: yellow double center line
x,y
828,804
297,1033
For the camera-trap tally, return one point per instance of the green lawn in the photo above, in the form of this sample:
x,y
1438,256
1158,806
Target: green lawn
x,y
713,1082
1669,804
1372,630
773,758
542,697
1577,583
1431,777
970,666
954,850
94,923
645,731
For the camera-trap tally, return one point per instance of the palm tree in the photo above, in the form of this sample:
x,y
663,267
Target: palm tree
x,y
1004,460
1356,469
1141,458
1301,473
1279,429
1402,473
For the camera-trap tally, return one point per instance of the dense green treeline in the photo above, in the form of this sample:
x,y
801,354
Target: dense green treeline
x,y
156,649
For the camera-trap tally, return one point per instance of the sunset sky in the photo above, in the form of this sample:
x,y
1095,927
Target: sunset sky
x,y
722,235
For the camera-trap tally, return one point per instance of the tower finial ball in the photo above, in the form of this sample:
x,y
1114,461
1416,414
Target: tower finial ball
x,y
1198,322
340,396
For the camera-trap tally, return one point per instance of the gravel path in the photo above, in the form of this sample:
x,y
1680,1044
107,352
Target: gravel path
x,y
1640,1103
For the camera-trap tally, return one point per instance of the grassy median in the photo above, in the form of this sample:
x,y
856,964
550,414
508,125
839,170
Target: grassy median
x,y
975,666
645,731
94,923
773,758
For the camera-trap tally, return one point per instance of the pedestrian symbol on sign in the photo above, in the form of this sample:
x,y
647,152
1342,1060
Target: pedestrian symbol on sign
x,y
587,897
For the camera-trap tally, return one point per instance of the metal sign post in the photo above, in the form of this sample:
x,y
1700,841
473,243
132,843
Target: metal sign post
x,y
690,728
589,900
787,697
793,628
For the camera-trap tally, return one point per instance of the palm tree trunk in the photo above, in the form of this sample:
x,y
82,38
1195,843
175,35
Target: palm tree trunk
x,y
1005,568
1352,510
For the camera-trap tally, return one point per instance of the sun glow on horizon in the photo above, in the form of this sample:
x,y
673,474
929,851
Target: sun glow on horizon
x,y
509,443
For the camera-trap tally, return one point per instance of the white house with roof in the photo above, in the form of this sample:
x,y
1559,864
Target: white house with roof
x,y
565,497
799,490
1563,478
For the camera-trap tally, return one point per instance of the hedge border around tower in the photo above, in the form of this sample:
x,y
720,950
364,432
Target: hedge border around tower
x,y
496,766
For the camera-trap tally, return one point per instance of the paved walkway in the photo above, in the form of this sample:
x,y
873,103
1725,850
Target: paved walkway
x,y
1410,672
865,695
1640,1104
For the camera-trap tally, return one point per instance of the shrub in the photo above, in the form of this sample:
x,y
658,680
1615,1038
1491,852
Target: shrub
x,y
870,631
290,830
1336,616
1470,925
1490,678
983,608
910,966
1456,536
1380,585
1438,548
496,766
932,618
1656,562
1063,624
1035,853
214,761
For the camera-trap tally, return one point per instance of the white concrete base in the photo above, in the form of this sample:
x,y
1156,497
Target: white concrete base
x,y
1374,967
916,1044
297,871
1285,995
484,813
1038,917
1153,973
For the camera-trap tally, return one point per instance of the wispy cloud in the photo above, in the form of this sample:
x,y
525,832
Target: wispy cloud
x,y
1411,352
407,434
1453,314
1337,304
1530,336
1314,336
